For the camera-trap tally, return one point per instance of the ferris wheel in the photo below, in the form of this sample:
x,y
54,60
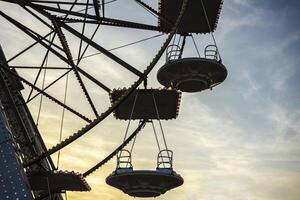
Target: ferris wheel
x,y
65,36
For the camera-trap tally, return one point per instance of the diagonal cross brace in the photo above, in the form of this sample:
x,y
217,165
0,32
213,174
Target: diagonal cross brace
x,y
102,50
39,40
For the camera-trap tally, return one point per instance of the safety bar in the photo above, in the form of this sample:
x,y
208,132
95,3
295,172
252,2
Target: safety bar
x,y
165,159
173,52
211,52
124,159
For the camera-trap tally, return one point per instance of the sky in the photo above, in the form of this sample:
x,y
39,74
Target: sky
x,y
239,141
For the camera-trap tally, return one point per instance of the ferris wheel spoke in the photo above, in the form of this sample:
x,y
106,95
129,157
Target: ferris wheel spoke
x,y
46,94
63,11
91,43
37,38
60,3
31,33
87,46
36,67
96,8
103,8
116,23
68,53
82,32
36,16
55,52
27,48
97,82
48,86
102,50
42,66
11,1
93,19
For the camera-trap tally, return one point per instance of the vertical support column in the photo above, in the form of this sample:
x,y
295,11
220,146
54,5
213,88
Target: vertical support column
x,y
13,181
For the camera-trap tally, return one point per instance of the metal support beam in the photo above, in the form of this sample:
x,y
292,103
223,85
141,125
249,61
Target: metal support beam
x,y
48,86
93,79
42,65
96,7
36,67
28,32
102,50
60,3
47,95
101,20
68,53
103,8
27,48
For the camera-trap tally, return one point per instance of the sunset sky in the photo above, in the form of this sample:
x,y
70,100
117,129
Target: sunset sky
x,y
239,141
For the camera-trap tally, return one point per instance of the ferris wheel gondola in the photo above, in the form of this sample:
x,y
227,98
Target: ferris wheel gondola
x,y
192,74
145,183
146,105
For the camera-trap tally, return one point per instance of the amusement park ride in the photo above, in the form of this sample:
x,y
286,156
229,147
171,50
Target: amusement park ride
x,y
27,170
